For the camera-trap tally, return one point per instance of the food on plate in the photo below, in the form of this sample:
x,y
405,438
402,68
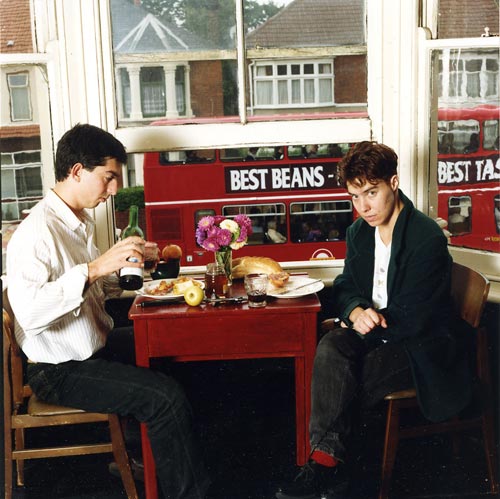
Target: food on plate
x,y
183,283
174,287
194,295
171,251
279,279
255,265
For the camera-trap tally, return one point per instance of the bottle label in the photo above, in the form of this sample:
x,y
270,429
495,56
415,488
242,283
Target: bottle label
x,y
131,271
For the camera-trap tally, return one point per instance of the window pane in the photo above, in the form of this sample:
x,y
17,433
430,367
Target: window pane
x,y
8,184
468,141
20,104
191,46
320,83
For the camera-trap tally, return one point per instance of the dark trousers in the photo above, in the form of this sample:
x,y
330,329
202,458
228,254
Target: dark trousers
x,y
350,373
101,384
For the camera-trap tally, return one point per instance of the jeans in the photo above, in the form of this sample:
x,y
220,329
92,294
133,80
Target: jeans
x,y
101,384
351,372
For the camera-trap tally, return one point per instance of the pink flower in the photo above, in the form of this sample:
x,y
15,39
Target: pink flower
x,y
217,233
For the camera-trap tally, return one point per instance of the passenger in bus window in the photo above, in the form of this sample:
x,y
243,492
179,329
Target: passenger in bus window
x,y
396,325
252,154
473,144
334,151
192,157
278,152
273,235
54,267
445,145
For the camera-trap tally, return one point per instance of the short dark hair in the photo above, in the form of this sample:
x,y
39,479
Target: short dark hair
x,y
89,145
367,162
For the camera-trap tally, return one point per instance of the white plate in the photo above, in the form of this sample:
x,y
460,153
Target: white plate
x,y
144,291
293,282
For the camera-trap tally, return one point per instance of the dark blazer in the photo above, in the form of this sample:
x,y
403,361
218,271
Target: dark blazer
x,y
419,311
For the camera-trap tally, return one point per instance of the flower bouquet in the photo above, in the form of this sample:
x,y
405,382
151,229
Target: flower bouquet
x,y
222,235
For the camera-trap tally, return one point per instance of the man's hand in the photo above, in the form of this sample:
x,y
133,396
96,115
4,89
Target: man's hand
x,y
117,257
366,320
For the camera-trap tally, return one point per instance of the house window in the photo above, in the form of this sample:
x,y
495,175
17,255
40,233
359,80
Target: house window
x,y
467,75
20,102
153,92
293,84
21,183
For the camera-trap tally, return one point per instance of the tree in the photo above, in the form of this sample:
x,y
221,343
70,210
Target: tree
x,y
203,16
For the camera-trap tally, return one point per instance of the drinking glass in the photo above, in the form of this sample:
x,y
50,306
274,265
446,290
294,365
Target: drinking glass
x,y
256,288
151,256
216,282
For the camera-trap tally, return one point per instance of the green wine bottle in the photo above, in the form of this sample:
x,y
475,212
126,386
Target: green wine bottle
x,y
131,278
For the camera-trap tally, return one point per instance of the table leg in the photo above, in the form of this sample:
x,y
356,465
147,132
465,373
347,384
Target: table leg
x,y
301,430
142,359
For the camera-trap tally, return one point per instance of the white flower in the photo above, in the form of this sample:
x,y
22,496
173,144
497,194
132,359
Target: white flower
x,y
230,225
236,245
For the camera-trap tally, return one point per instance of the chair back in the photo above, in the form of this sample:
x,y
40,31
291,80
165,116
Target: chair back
x,y
469,291
13,364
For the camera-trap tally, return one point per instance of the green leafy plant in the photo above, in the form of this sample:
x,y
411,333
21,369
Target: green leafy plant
x,y
128,196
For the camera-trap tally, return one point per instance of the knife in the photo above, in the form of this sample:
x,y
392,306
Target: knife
x,y
282,291
222,301
156,303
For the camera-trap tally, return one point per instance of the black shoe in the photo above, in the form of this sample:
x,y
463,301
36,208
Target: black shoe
x,y
136,466
312,481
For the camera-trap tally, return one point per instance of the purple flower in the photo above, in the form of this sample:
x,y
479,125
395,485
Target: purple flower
x,y
212,237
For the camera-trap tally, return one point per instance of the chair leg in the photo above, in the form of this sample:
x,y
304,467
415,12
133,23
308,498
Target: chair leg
x,y
8,463
488,426
19,445
121,457
390,448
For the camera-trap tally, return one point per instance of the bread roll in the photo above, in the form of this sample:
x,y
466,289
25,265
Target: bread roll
x,y
254,265
279,279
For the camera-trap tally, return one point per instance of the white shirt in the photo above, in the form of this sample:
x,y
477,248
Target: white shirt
x,y
382,257
57,317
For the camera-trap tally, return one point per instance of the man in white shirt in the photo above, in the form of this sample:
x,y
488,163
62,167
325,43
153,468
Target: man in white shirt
x,y
57,286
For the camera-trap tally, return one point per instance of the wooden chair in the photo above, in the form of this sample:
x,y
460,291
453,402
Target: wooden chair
x,y
23,410
469,292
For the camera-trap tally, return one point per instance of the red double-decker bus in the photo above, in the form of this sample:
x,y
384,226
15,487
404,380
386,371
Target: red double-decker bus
x,y
291,194
469,175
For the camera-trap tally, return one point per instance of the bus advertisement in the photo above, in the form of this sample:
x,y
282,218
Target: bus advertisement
x,y
468,173
291,194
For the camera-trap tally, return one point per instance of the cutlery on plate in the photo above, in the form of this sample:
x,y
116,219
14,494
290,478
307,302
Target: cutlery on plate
x,y
285,290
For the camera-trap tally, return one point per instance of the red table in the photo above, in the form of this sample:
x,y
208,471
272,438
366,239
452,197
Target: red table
x,y
285,328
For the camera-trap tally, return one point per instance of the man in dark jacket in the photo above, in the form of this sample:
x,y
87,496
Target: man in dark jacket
x,y
397,329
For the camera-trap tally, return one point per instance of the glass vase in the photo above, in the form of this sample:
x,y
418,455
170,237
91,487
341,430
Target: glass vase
x,y
225,259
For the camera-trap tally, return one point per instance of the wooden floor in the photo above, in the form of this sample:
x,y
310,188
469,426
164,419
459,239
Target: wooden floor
x,y
245,422
245,419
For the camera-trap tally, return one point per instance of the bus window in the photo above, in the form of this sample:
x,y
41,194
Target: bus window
x,y
199,214
496,211
247,154
318,151
204,156
268,221
456,137
183,157
323,221
491,135
459,215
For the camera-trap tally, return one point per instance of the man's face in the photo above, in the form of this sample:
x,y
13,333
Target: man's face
x,y
375,203
100,183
